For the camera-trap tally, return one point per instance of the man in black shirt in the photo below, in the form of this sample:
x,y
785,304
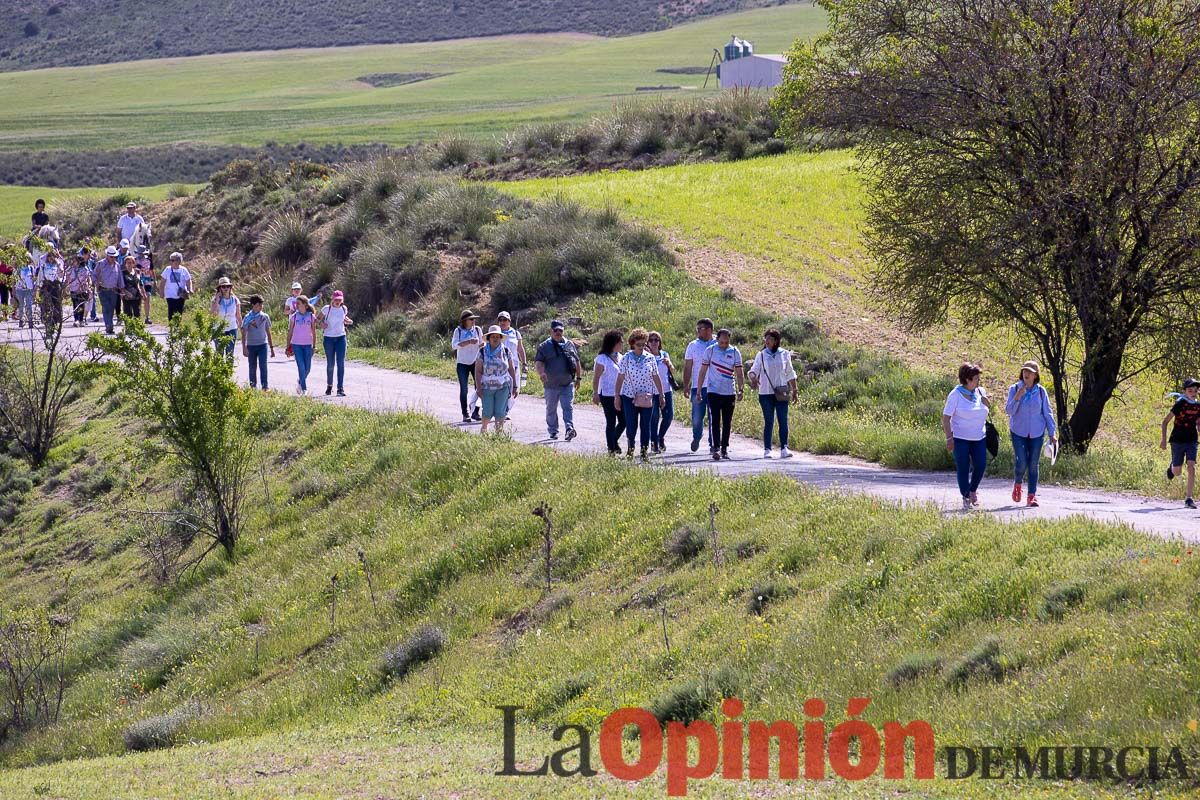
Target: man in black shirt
x,y
1184,436
40,217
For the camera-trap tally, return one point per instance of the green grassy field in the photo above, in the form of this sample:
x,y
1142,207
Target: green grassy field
x,y
314,95
282,700
16,202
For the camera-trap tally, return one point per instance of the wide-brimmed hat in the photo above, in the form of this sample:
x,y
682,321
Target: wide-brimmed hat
x,y
1032,366
224,282
494,331
468,314
110,251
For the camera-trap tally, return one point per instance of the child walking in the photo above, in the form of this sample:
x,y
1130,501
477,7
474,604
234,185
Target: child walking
x,y
1184,436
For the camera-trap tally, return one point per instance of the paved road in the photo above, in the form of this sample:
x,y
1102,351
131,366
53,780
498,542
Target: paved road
x,y
388,390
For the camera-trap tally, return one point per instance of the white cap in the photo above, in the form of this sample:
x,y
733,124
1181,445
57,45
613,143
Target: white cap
x,y
176,255
297,286
124,243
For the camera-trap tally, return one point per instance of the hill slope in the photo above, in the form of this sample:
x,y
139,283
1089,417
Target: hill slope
x,y
73,32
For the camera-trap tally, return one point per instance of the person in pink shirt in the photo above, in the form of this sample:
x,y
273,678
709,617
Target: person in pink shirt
x,y
300,340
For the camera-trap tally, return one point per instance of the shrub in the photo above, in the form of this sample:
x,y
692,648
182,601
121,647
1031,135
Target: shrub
x,y
1059,599
386,330
527,278
53,514
686,542
178,190
912,668
288,239
453,152
422,646
761,595
154,733
982,660
683,704
454,212
368,277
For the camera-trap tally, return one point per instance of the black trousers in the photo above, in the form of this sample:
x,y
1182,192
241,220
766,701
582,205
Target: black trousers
x,y
465,370
174,307
721,406
614,422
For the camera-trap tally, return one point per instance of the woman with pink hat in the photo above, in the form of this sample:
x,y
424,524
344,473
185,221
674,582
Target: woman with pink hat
x,y
333,320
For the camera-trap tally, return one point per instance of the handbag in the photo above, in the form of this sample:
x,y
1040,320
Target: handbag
x,y
993,438
782,393
643,400
180,290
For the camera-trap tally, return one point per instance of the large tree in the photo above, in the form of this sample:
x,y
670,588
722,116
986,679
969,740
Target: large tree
x,y
1028,161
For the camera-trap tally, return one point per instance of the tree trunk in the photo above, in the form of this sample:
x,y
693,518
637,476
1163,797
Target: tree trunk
x,y
1101,366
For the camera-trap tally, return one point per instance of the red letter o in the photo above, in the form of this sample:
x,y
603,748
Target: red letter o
x,y
649,736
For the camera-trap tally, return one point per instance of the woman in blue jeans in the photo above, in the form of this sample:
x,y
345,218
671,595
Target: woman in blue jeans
x,y
964,418
333,321
640,389
773,375
1030,420
661,417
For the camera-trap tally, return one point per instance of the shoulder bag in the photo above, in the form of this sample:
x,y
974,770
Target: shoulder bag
x,y
782,393
180,289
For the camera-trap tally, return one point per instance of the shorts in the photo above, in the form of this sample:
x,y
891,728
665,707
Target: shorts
x,y
1182,451
495,401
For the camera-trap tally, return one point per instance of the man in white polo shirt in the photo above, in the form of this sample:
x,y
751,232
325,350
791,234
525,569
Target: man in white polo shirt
x,y
128,222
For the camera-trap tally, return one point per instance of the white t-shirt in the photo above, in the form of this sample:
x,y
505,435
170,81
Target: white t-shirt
x,y
774,370
290,304
968,417
664,374
608,378
695,353
468,354
174,280
227,308
129,224
335,320
512,342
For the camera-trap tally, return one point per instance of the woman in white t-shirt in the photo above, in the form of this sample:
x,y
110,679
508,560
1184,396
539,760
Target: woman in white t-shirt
x,y
333,320
964,420
604,389
228,308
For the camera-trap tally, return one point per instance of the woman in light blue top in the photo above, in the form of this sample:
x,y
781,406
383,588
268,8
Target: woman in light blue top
x,y
1030,420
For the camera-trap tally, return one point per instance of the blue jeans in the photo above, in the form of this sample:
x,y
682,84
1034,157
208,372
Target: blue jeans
x,y
771,409
699,412
660,420
225,342
1027,450
637,419
335,350
257,353
25,304
303,353
557,396
970,458
110,303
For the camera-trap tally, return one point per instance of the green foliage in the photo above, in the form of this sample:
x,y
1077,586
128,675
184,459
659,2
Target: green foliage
x,y
157,732
686,542
288,239
914,667
981,661
422,646
1060,599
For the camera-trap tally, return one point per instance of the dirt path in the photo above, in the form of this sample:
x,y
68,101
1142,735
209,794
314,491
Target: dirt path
x,y
386,390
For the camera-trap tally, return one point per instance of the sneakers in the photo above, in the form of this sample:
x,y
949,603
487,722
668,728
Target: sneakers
x,y
298,389
1032,501
554,436
716,456
653,448
695,445
785,453
1016,495
645,457
340,392
475,415
974,498
966,503
725,453
1170,473
571,434
767,453
466,419
1189,503
328,390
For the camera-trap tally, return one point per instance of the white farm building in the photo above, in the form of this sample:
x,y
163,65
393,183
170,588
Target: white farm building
x,y
743,69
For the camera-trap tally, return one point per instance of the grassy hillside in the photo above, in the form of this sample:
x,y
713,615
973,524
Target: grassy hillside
x,y
73,32
16,202
488,86
860,599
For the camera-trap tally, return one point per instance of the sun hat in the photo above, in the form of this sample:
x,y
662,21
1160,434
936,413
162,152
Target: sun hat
x,y
1032,366
1050,451
224,282
110,251
504,315
494,331
468,314
557,325
339,295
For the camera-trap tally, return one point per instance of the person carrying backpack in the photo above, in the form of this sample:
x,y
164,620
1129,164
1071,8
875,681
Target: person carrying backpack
x,y
496,377
559,366
332,320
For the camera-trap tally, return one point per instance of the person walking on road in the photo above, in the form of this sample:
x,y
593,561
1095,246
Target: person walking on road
x,y
721,372
333,320
256,340
640,389
661,417
53,274
79,286
132,295
496,377
301,335
604,389
29,277
1030,421
227,307
693,357
559,366
964,419
514,341
466,341
109,286
1184,435
175,284
774,377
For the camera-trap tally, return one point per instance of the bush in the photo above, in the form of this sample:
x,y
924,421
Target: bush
x,y
454,212
527,278
982,660
761,595
154,733
686,543
368,277
1059,599
422,646
912,668
386,330
453,152
288,239
53,514
683,704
